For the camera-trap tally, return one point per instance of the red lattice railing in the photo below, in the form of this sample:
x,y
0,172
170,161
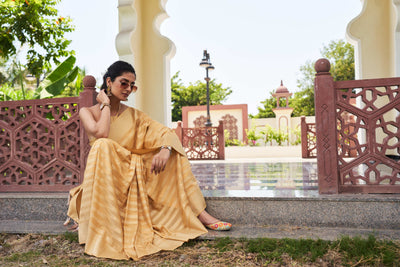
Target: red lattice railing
x,y
202,142
308,139
42,144
369,133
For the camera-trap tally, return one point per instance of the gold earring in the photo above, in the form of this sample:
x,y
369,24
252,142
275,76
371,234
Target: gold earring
x,y
108,91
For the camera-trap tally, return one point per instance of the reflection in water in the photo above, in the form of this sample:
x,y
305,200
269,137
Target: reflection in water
x,y
257,179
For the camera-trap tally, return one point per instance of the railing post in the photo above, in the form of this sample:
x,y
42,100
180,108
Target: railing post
x,y
221,140
87,98
304,141
325,121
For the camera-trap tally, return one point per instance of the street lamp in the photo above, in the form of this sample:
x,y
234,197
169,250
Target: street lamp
x,y
205,63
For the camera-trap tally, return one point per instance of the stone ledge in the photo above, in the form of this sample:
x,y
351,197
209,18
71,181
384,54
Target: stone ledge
x,y
237,231
355,211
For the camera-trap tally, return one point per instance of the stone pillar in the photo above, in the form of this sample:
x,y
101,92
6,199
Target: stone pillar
x,y
376,39
373,33
139,42
325,122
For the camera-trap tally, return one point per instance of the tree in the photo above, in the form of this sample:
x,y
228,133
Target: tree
x,y
266,110
341,56
36,26
303,101
195,95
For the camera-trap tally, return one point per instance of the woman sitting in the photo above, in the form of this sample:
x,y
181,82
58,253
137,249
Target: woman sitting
x,y
138,195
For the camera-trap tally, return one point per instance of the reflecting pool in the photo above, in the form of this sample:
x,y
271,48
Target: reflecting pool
x,y
257,179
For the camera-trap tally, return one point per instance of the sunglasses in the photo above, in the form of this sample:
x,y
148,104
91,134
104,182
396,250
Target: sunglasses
x,y
125,85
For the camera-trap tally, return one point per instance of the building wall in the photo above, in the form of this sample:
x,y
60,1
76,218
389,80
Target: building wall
x,y
190,113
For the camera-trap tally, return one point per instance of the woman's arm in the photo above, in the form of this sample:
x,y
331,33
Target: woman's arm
x,y
95,121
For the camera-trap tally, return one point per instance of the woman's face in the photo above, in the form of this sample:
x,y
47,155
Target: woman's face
x,y
123,85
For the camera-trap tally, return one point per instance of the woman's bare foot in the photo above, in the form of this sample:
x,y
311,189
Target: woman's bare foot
x,y
213,223
206,218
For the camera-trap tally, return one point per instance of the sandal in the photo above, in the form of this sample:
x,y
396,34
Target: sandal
x,y
219,226
74,227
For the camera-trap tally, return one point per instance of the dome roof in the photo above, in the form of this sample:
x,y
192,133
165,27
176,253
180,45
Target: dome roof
x,y
281,89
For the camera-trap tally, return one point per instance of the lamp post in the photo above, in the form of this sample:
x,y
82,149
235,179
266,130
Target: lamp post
x,y
205,63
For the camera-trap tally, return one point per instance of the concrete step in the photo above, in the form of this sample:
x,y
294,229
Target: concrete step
x,y
325,217
237,231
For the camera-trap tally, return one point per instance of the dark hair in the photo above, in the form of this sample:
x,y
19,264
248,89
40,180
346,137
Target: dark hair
x,y
116,69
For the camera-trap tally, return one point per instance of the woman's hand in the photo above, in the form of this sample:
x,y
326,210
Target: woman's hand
x,y
160,160
102,97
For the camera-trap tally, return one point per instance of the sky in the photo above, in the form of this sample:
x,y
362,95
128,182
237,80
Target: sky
x,y
253,44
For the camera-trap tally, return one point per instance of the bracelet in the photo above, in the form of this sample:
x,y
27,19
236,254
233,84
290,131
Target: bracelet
x,y
167,147
102,105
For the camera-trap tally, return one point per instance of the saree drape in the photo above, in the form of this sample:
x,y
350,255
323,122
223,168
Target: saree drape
x,y
123,210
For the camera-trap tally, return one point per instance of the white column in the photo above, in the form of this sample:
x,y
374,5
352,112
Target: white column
x,y
139,42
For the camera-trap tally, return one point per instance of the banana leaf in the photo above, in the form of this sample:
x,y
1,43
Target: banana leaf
x,y
55,82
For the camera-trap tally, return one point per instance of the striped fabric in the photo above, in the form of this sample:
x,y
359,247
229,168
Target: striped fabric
x,y
123,210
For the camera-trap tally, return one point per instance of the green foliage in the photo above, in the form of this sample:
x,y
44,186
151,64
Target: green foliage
x,y
252,135
58,79
195,95
64,81
36,26
297,133
231,142
303,101
75,87
280,136
341,56
266,110
8,93
268,134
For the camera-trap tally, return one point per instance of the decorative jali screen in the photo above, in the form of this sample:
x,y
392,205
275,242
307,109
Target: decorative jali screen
x,y
368,132
201,143
42,146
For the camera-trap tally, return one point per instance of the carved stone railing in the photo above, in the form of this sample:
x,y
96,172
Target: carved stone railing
x,y
43,146
202,143
308,139
368,132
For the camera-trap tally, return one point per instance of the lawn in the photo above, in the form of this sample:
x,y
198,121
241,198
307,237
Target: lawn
x,y
64,250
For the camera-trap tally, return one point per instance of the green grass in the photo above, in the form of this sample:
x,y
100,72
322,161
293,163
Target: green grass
x,y
345,251
368,251
23,257
298,249
71,236
352,251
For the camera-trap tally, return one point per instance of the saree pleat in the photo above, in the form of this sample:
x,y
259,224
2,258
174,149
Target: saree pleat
x,y
125,211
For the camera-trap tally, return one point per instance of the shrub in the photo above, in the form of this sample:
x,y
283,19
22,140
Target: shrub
x,y
252,136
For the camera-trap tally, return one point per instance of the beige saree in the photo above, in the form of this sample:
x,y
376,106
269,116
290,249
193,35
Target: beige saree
x,y
123,210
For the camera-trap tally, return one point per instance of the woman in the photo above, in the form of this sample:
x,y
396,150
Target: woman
x,y
138,195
